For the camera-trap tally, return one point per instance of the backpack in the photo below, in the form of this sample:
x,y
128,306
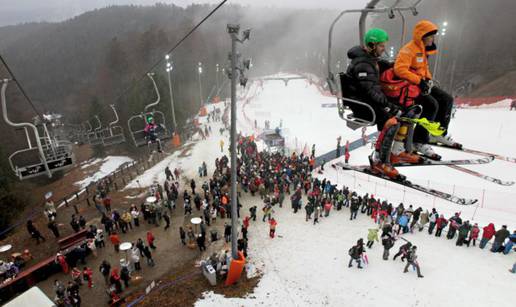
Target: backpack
x,y
402,90
351,251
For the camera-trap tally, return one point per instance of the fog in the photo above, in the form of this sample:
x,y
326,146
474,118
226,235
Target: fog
x,y
21,11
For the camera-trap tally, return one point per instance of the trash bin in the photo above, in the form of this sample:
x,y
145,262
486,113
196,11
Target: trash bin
x,y
209,272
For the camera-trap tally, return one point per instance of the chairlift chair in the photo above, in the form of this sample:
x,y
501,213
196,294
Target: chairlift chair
x,y
336,81
136,123
47,156
94,134
113,134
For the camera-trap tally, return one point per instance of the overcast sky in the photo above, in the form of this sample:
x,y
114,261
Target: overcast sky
x,y
18,11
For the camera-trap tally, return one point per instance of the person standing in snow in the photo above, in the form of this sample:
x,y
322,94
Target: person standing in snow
x,y
440,223
356,252
500,237
473,235
372,236
412,260
463,233
387,241
403,251
487,233
272,227
346,153
432,219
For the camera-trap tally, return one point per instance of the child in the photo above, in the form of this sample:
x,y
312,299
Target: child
x,y
372,236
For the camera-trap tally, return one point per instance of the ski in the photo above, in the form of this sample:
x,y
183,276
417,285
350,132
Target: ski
x,y
428,162
478,152
482,176
443,195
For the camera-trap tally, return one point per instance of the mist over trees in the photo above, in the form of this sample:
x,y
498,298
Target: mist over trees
x,y
94,57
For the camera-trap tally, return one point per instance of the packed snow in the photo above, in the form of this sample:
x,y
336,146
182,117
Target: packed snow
x,y
306,265
109,164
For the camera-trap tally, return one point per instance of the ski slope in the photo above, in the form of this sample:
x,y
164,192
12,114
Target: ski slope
x,y
306,265
300,108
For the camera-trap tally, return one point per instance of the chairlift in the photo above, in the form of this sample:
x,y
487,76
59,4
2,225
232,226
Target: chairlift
x,y
113,134
48,156
336,82
136,123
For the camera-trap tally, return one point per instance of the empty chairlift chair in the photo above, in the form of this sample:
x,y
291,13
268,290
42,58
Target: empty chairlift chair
x,y
136,123
338,83
46,157
113,134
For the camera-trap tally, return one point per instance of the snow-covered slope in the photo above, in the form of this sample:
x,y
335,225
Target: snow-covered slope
x,y
306,265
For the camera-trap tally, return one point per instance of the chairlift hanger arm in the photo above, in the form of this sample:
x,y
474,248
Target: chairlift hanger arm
x,y
116,115
99,123
155,103
370,8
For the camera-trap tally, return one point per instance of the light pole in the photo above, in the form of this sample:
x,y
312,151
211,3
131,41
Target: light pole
x,y
440,48
199,69
237,71
217,75
169,69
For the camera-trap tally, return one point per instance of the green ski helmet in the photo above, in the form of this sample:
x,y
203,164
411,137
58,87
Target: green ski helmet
x,y
376,35
149,119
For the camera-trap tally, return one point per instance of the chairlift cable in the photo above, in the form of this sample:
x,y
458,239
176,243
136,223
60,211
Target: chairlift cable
x,y
20,87
172,49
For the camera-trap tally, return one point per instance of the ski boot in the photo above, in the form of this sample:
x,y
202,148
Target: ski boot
x,y
445,140
385,169
427,151
400,155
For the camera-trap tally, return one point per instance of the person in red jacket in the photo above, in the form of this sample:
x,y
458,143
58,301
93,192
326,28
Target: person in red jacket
x,y
487,234
150,239
246,222
473,235
272,224
115,240
87,274
60,258
441,222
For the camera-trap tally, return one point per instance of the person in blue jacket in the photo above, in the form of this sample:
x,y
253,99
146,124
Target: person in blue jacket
x,y
403,221
510,244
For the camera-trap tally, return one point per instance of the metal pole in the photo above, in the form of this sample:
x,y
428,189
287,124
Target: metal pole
x,y
234,72
171,100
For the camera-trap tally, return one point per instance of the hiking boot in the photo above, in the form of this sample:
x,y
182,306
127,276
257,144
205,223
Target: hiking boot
x,y
427,151
420,276
360,267
406,157
350,266
445,140
405,271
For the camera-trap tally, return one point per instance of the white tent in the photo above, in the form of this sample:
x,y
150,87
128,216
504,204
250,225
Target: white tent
x,y
32,297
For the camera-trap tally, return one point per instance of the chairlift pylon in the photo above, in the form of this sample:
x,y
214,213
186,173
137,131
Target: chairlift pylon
x,y
47,157
136,123
335,81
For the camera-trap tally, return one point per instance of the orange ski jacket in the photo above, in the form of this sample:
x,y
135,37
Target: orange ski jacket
x,y
412,61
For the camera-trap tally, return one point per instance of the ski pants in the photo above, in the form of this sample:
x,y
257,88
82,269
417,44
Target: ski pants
x,y
483,243
386,253
357,260
431,228
414,264
438,232
437,106
496,246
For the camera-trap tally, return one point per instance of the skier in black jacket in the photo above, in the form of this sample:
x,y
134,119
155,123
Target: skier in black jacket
x,y
362,82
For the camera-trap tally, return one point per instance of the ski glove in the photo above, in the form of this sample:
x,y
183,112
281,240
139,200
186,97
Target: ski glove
x,y
426,87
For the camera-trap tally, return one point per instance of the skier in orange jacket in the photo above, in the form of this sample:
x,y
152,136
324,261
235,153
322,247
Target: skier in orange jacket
x,y
412,65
